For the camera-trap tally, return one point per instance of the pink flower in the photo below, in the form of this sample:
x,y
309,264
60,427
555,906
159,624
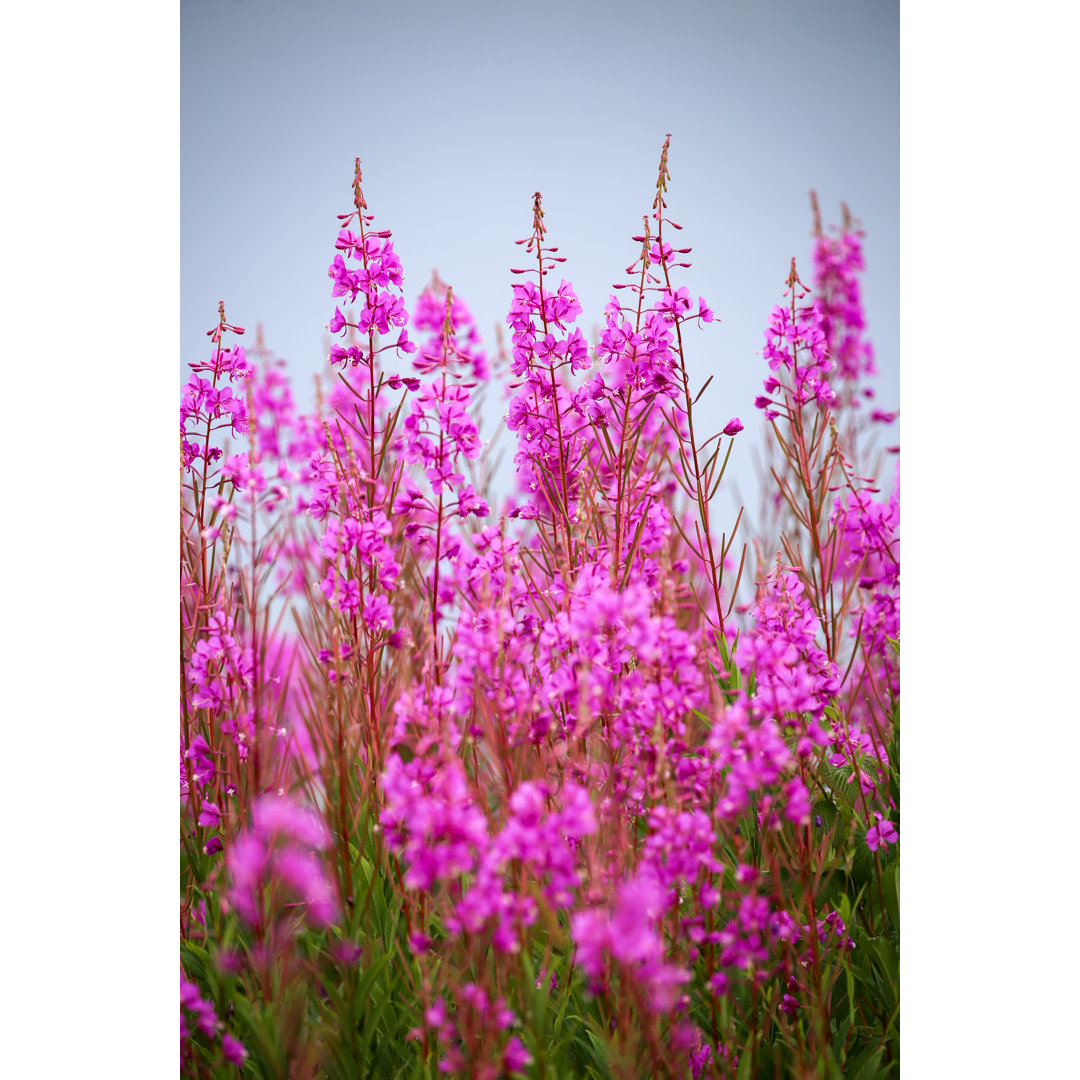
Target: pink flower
x,y
798,806
233,1049
884,832
734,426
515,1057
280,845
378,614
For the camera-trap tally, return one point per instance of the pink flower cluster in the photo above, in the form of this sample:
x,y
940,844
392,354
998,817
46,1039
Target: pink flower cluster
x,y
206,406
220,666
831,936
432,818
537,843
544,411
206,1021
794,678
870,542
376,277
275,864
439,431
838,263
793,681
474,1035
628,935
797,352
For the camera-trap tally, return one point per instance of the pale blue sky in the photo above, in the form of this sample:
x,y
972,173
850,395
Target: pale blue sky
x,y
460,111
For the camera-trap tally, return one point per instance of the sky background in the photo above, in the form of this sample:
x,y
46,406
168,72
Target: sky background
x,y
459,112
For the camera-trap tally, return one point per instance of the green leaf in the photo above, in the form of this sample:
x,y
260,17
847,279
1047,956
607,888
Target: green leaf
x,y
836,780
746,1060
863,866
890,883
887,963
196,961
866,1065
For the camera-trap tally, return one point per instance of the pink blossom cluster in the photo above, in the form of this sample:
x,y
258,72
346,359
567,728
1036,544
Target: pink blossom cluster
x,y
434,821
439,433
797,353
794,677
829,937
204,1015
793,681
376,274
870,531
680,847
430,314
432,818
473,1037
209,407
275,865
640,360
544,412
220,666
838,264
539,842
495,640
628,935
361,543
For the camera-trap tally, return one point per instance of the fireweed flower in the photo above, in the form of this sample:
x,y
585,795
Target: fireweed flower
x,y
884,832
430,315
495,640
831,937
195,1010
221,677
542,843
680,846
208,407
796,350
431,819
439,435
838,264
233,1049
795,678
642,358
627,934
746,941
201,760
219,667
607,656
375,273
356,491
277,859
473,1038
870,547
542,410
